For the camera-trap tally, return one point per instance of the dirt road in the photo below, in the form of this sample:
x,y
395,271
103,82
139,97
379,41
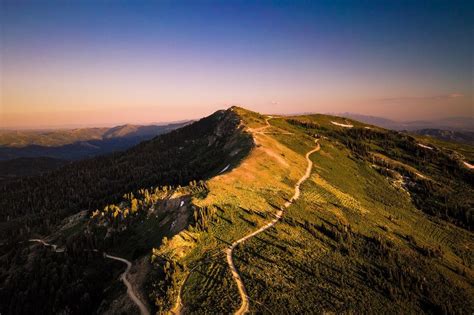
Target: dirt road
x,y
244,307
123,277
55,247
131,293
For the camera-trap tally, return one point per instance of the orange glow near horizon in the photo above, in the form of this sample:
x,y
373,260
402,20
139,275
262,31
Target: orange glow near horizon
x,y
87,64
97,96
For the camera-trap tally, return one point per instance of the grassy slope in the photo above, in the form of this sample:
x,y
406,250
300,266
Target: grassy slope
x,y
331,274
243,199
466,150
353,241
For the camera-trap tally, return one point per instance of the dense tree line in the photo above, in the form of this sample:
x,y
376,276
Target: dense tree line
x,y
449,195
69,282
72,281
404,278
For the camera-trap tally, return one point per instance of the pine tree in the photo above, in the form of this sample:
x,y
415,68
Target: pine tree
x,y
134,206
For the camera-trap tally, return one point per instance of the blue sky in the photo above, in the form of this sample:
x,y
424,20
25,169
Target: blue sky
x,y
134,61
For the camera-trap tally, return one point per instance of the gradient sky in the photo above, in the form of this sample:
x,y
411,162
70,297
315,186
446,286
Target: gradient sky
x,y
67,63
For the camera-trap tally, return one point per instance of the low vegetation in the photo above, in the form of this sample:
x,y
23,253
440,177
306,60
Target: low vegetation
x,y
353,241
382,225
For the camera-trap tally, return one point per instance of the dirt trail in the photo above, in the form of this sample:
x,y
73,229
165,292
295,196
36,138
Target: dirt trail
x,y
131,293
55,247
178,307
244,307
123,277
261,130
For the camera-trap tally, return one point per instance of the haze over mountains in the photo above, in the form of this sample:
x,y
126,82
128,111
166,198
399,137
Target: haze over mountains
x,y
58,137
457,129
32,152
450,123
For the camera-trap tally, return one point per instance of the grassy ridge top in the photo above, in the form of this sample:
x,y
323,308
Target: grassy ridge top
x,y
355,240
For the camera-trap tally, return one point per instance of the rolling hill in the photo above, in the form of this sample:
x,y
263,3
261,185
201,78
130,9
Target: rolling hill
x,y
453,129
75,144
448,135
459,124
243,212
59,137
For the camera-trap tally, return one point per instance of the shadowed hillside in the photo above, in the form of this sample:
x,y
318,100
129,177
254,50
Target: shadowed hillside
x,y
448,135
191,153
76,144
19,167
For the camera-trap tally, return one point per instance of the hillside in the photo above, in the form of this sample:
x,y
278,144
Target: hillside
x,y
245,212
11,169
58,205
59,137
466,137
459,124
369,231
189,153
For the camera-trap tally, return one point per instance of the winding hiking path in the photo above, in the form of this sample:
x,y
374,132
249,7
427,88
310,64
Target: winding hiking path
x,y
55,247
178,306
244,307
261,130
123,277
130,291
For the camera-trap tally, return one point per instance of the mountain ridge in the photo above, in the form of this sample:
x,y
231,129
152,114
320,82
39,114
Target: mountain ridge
x,y
383,221
57,137
460,123
77,144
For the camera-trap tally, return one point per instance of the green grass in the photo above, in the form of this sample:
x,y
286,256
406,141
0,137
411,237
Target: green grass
x,y
296,271
352,242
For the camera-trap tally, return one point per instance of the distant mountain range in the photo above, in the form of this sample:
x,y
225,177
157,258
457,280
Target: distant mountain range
x,y
58,137
34,152
454,129
450,123
74,144
448,135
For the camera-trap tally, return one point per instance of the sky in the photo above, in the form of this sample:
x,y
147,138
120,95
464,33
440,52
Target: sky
x,y
95,63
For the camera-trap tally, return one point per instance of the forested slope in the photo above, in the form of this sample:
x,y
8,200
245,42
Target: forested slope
x,y
58,206
190,153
